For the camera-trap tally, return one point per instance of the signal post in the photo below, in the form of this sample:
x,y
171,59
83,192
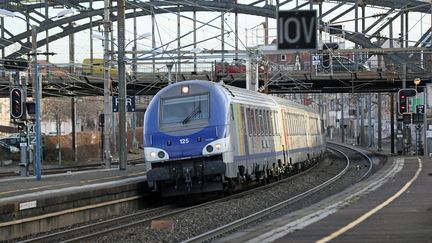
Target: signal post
x,y
21,112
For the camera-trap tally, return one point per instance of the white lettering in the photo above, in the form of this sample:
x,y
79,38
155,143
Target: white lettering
x,y
308,32
297,35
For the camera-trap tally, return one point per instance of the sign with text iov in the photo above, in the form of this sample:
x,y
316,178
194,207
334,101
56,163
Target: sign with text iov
x,y
297,29
130,103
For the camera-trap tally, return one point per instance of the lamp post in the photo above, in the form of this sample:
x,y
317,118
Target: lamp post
x,y
107,102
417,82
37,89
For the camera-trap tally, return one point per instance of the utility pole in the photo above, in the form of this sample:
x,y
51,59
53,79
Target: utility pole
x,y
122,84
107,107
379,123
37,104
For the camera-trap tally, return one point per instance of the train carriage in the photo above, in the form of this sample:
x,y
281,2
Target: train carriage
x,y
201,136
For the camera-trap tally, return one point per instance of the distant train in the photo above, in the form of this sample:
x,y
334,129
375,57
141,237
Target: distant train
x,y
202,136
96,67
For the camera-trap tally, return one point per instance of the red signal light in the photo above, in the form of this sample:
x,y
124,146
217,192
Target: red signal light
x,y
17,103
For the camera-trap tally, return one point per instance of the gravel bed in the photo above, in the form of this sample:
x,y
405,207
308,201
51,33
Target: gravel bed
x,y
201,220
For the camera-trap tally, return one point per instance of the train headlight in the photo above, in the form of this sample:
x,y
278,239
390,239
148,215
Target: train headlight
x,y
155,154
209,148
185,89
218,146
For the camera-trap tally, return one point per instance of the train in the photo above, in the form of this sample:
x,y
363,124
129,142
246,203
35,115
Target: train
x,y
203,136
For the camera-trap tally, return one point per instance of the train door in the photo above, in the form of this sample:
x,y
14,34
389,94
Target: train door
x,y
307,125
285,134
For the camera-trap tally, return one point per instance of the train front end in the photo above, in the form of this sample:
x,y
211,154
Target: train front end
x,y
185,137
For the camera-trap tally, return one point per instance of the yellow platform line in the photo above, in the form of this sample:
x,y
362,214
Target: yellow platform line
x,y
373,211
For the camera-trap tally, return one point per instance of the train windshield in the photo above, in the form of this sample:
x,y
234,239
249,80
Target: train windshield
x,y
185,110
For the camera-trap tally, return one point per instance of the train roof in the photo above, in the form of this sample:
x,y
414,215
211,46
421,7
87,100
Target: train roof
x,y
245,96
256,98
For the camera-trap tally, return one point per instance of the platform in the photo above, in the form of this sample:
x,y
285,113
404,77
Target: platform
x,y
65,199
396,209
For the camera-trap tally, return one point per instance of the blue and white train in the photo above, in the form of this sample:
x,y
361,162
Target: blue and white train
x,y
202,136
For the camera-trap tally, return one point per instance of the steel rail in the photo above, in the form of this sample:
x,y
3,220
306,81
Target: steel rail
x,y
362,153
106,227
49,171
59,236
103,227
246,220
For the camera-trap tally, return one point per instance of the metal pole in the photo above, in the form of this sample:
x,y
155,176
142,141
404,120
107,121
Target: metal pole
x,y
236,37
223,41
425,124
370,125
71,51
342,119
195,40
37,104
401,31
153,18
362,128
392,123
178,66
406,29
74,146
134,66
356,27
46,32
91,38
122,83
107,107
169,67
2,36
379,123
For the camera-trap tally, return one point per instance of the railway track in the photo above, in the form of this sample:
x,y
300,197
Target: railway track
x,y
212,234
145,217
94,230
93,166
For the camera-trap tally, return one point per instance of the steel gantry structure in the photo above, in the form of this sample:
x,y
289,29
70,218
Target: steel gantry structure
x,y
74,82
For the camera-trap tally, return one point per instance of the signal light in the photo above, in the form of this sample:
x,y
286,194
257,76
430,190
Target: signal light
x,y
17,103
402,104
403,95
326,61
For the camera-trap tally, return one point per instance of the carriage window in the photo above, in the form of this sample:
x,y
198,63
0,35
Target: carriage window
x,y
185,109
250,121
271,123
268,123
261,122
254,121
242,112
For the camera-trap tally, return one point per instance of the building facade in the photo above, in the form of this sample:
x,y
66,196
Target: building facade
x,y
4,112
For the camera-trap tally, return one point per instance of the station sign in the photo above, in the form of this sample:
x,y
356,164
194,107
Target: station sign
x,y
130,104
420,109
297,29
315,60
31,131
